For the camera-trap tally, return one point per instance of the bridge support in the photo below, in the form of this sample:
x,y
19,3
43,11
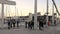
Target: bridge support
x,y
5,2
2,21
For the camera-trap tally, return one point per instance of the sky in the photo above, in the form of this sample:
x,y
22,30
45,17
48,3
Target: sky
x,y
24,7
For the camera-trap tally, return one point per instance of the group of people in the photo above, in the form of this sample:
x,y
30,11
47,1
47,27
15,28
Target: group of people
x,y
11,23
30,25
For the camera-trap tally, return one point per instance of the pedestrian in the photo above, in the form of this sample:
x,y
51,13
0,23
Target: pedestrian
x,y
25,24
32,24
40,25
17,24
13,21
55,22
8,24
48,23
29,25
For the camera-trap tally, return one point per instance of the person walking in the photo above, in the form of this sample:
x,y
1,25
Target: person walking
x,y
40,25
13,21
17,24
8,24
25,24
29,25
32,25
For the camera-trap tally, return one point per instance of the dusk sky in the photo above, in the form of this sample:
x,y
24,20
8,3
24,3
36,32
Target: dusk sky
x,y
27,6
24,7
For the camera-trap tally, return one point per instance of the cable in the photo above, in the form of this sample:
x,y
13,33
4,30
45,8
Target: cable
x,y
6,10
15,11
9,10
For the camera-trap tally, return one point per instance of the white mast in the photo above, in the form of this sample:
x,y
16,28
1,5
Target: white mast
x,y
47,14
52,13
35,15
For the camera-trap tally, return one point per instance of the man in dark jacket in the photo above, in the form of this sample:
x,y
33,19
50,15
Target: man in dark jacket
x,y
25,24
13,21
32,24
17,23
29,25
8,24
40,25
